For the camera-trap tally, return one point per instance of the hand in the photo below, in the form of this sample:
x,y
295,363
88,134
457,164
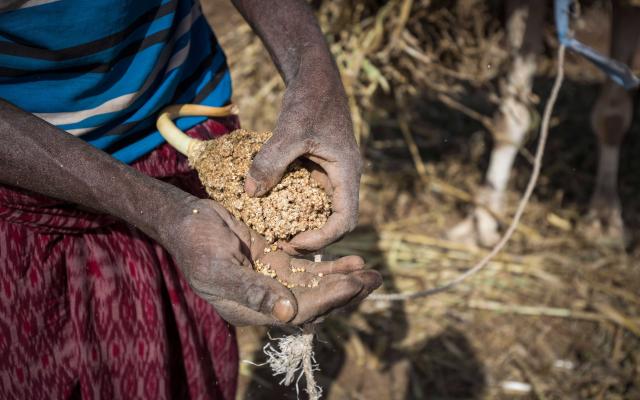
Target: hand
x,y
215,252
319,287
314,123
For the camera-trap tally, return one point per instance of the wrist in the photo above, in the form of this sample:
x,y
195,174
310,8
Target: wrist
x,y
166,212
149,204
316,68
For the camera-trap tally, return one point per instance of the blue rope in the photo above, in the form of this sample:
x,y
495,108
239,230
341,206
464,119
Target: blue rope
x,y
619,72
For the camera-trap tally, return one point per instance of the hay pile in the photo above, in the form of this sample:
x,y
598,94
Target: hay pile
x,y
295,205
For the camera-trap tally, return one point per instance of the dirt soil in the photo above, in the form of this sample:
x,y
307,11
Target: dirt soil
x,y
554,316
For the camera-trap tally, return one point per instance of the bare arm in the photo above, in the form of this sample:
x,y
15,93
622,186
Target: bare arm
x,y
291,34
37,156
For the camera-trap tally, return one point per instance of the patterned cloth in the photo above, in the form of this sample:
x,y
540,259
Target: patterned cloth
x,y
90,307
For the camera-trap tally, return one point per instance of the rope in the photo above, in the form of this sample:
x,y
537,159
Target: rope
x,y
544,133
308,363
292,356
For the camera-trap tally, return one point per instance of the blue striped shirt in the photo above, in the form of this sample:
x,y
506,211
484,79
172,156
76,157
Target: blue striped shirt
x,y
103,69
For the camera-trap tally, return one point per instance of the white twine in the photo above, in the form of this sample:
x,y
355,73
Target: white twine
x,y
293,357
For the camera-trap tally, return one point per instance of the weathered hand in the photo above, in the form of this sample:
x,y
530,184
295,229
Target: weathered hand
x,y
215,251
319,287
314,123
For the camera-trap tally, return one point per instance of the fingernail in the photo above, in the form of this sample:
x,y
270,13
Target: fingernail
x,y
250,186
283,310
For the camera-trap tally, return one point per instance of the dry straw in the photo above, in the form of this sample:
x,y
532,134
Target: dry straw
x,y
537,165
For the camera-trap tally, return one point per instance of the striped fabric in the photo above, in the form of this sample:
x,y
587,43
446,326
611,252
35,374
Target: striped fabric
x,y
102,69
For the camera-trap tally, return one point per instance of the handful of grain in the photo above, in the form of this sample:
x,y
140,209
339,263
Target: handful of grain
x,y
294,205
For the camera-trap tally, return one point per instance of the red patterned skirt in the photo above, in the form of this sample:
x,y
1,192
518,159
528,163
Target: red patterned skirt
x,y
92,308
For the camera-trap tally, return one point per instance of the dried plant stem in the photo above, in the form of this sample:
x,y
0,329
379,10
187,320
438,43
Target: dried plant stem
x,y
292,356
405,10
544,132
438,184
473,114
536,311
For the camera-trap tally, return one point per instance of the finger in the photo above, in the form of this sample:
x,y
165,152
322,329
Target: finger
x,y
333,292
285,273
258,244
237,284
239,315
252,242
370,279
306,242
278,262
269,297
340,266
343,218
271,163
284,265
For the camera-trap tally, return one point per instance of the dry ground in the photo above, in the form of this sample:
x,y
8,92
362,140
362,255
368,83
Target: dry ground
x,y
554,316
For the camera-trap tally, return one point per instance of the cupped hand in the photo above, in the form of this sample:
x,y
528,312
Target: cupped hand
x,y
314,123
216,252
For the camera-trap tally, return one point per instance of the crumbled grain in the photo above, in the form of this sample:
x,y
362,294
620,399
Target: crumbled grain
x,y
297,204
264,269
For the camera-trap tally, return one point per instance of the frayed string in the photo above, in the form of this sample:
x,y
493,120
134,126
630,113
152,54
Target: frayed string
x,y
293,357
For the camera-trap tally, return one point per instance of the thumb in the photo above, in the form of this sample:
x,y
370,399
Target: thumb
x,y
244,292
266,296
271,163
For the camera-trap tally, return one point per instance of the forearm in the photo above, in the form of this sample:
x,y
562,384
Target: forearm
x,y
291,34
37,156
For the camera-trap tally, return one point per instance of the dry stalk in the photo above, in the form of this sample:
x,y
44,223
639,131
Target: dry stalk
x,y
544,132
536,311
438,184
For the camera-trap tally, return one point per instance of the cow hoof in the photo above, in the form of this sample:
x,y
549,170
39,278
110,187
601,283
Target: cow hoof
x,y
478,229
463,232
605,227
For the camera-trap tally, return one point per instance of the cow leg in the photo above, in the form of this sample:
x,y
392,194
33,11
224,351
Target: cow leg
x,y
512,120
610,119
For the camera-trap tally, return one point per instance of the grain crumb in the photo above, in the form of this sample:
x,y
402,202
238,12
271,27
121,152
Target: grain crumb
x,y
264,269
297,204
